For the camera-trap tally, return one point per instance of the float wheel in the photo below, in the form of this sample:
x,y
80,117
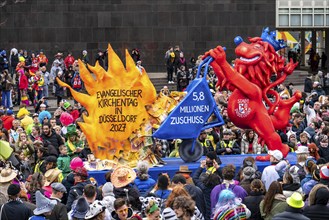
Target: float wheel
x,y
187,153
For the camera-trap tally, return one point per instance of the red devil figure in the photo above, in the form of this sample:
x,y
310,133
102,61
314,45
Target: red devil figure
x,y
249,106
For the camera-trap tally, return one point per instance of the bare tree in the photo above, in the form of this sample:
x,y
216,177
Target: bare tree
x,y
3,4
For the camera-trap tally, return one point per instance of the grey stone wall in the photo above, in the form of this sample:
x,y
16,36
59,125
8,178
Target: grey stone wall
x,y
150,25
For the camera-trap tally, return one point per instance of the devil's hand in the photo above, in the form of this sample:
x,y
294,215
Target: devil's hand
x,y
218,54
289,68
298,95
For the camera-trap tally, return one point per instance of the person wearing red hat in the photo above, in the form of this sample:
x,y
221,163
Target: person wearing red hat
x,y
324,175
80,181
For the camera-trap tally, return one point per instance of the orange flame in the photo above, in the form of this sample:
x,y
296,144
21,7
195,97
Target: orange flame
x,y
115,103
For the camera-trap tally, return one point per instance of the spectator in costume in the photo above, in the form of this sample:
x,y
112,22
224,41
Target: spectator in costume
x,y
230,207
44,207
80,181
96,211
228,183
73,144
63,161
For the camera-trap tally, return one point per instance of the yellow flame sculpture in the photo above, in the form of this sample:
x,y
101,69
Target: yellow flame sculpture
x,y
115,103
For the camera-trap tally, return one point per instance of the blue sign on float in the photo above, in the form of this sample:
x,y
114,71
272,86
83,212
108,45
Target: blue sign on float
x,y
191,115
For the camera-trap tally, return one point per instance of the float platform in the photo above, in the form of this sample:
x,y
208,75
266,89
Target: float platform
x,y
173,165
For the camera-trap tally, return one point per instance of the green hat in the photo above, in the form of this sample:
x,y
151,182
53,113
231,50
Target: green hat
x,y
66,105
295,200
71,130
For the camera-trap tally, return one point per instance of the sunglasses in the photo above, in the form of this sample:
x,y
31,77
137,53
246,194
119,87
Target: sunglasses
x,y
123,211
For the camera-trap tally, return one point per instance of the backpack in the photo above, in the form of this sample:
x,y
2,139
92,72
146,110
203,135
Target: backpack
x,y
76,84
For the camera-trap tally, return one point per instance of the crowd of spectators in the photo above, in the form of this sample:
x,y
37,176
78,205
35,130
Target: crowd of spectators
x,y
43,176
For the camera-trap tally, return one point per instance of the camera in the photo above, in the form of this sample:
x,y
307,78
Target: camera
x,y
210,164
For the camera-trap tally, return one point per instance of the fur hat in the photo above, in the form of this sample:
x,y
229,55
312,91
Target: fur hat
x,y
313,149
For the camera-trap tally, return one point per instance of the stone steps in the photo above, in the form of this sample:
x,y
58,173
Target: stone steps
x,y
297,78
160,79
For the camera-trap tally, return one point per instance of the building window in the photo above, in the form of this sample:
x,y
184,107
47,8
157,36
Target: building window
x,y
307,20
302,13
295,20
283,20
318,20
295,10
307,10
318,10
284,10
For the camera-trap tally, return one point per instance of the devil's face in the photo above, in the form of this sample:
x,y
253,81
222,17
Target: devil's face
x,y
249,54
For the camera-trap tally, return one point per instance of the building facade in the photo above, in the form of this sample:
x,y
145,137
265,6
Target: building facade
x,y
305,16
149,25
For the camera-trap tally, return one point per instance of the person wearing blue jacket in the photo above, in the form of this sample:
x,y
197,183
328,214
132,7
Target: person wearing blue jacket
x,y
143,181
